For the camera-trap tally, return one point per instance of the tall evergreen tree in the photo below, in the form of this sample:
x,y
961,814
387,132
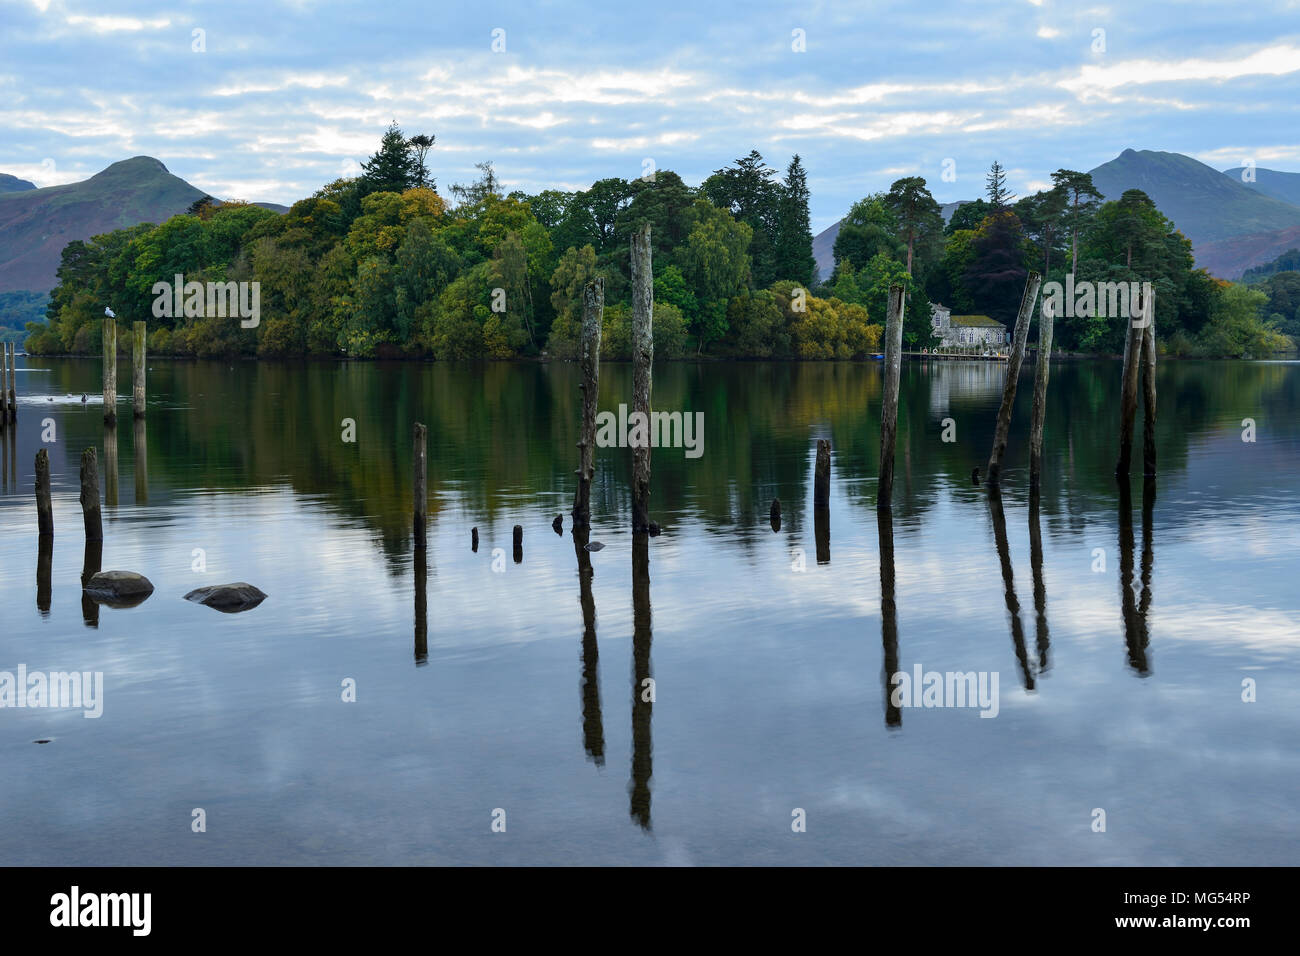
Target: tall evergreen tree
x,y
794,239
995,185
392,168
920,222
1084,200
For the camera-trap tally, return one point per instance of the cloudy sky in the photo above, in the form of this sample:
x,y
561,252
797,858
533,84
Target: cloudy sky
x,y
285,96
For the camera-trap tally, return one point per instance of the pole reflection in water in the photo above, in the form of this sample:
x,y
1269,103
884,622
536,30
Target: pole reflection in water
x,y
1135,593
593,729
421,607
642,683
822,532
44,564
1009,586
888,614
1044,640
90,566
110,467
141,464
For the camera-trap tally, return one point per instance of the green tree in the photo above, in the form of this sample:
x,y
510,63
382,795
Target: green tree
x,y
794,239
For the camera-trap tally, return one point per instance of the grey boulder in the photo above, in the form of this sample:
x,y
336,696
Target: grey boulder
x,y
118,588
228,598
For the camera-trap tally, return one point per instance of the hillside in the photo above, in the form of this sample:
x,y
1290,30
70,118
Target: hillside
x,y
12,184
1271,182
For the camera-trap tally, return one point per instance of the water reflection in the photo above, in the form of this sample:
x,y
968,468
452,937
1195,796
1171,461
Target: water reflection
x,y
1135,594
44,565
141,464
642,686
1043,637
421,606
90,566
593,728
888,613
110,466
1009,586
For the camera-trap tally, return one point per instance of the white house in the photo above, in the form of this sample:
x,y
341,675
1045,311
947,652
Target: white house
x,y
966,329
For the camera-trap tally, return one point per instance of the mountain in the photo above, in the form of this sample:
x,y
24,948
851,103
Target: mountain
x,y
12,184
1271,182
35,224
1232,227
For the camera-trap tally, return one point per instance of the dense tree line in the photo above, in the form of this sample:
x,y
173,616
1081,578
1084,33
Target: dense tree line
x,y
381,264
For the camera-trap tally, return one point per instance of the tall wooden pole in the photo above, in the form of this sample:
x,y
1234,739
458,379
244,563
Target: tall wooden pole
x,y
1128,391
1017,356
642,357
13,382
1149,388
137,367
90,496
593,308
1041,372
822,475
889,401
4,387
110,370
421,492
44,511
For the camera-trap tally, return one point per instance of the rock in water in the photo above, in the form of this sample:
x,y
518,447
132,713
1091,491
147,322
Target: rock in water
x,y
558,524
228,598
118,588
595,546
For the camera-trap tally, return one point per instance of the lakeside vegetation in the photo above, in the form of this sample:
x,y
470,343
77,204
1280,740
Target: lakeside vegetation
x,y
383,265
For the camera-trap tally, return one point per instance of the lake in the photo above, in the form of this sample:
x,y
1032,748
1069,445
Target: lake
x,y
1123,628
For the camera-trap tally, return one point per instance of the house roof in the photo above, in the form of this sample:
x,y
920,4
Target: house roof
x,y
976,321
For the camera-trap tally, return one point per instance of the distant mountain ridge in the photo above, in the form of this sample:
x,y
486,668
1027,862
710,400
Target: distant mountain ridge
x,y
1233,225
36,223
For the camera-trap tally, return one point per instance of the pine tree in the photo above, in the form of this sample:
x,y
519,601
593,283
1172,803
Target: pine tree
x,y
392,169
794,251
996,186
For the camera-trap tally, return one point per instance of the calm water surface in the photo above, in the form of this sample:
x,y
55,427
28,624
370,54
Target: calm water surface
x,y
1121,632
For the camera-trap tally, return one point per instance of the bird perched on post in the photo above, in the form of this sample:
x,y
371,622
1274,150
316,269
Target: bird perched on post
x,y
109,312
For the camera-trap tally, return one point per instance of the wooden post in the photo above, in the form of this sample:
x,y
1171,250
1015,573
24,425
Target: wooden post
x,y
774,514
44,510
90,496
1128,391
593,308
419,439
473,539
642,358
889,400
4,387
1013,374
137,367
1149,388
110,370
1041,371
822,475
13,382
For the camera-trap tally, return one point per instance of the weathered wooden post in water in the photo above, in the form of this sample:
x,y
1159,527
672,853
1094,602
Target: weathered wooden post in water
x,y
1133,344
1014,361
1149,387
1041,372
110,368
4,387
822,475
889,399
593,308
44,511
420,436
13,382
90,496
643,351
137,367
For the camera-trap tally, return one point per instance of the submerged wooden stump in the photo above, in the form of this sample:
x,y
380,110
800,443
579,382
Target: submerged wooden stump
x,y
44,510
90,496
889,397
1041,372
593,308
1020,337
1149,390
1128,392
419,440
137,367
642,362
822,475
110,370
